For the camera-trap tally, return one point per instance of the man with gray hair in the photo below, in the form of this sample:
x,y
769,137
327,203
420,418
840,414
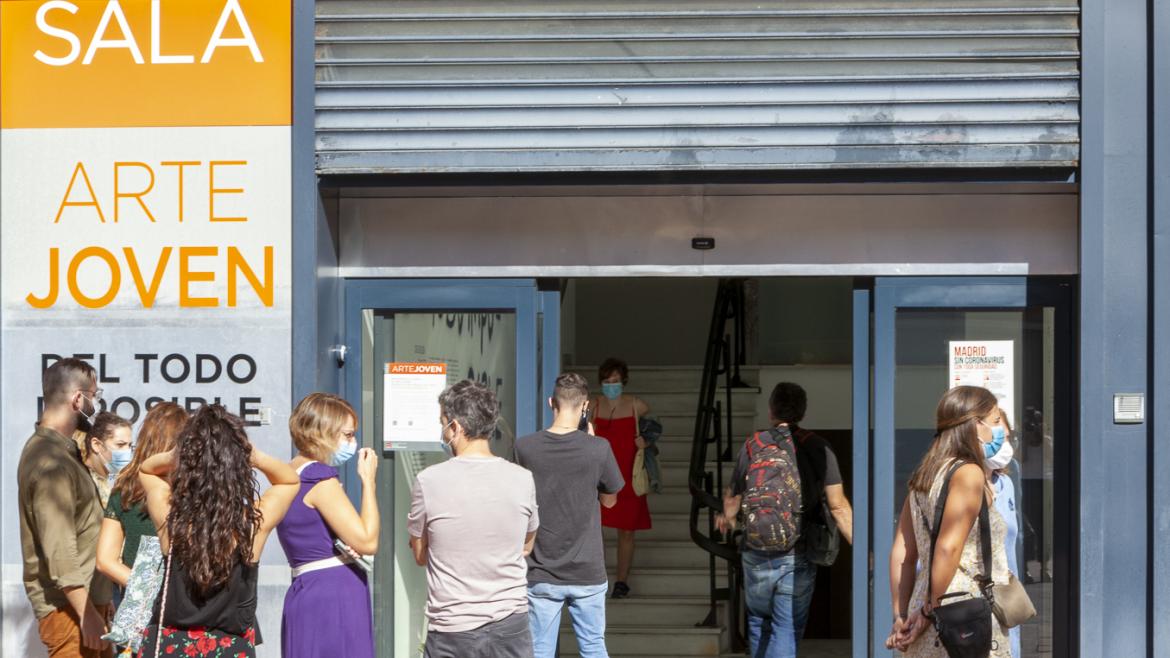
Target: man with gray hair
x,y
60,516
472,521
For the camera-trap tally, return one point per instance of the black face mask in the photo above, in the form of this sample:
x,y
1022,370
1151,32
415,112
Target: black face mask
x,y
583,426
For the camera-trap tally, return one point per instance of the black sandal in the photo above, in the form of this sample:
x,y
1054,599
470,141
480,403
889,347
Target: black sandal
x,y
620,590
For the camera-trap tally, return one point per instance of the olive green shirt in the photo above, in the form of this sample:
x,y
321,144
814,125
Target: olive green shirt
x,y
135,522
60,518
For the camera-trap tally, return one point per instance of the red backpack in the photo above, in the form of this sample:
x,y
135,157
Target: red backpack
x,y
772,498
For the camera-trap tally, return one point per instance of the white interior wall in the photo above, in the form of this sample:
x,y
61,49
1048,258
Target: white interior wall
x,y
830,394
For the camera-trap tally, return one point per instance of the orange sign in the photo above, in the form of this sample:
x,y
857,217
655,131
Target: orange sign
x,y
140,63
416,368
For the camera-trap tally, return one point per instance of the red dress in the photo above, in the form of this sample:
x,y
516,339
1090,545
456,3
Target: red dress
x,y
631,511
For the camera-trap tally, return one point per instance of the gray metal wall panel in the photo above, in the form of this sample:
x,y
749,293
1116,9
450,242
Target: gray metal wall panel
x,y
1114,468
1159,403
415,86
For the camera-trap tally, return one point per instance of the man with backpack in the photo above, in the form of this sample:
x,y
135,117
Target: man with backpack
x,y
788,484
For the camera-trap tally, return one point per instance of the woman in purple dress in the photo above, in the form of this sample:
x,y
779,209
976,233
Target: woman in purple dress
x,y
327,607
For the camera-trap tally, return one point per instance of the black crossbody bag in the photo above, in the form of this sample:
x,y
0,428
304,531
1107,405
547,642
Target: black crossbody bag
x,y
964,627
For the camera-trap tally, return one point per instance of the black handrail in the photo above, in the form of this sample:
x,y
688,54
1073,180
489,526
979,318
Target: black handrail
x,y
724,355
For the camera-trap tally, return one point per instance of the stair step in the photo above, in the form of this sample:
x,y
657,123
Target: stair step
x,y
666,526
653,611
672,500
687,436
678,449
657,640
677,472
655,582
683,401
680,425
657,553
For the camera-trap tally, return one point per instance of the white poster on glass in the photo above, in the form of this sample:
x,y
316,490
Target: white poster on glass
x,y
480,346
411,404
986,363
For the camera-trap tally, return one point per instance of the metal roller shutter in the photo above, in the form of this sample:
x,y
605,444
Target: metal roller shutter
x,y
429,86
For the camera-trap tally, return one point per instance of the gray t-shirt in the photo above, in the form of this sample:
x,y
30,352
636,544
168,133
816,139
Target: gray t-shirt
x,y
475,513
570,471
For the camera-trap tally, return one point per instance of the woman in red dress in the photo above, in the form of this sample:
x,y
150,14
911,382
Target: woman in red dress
x,y
615,417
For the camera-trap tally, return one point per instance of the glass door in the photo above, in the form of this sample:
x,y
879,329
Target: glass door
x,y
1012,335
501,333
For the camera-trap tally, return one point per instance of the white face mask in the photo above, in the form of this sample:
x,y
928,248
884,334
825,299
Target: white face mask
x,y
1002,457
93,403
448,446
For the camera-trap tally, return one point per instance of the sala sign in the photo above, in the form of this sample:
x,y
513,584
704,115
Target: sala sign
x,y
124,39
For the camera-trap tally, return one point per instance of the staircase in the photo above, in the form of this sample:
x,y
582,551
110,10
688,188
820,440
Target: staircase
x,y
670,579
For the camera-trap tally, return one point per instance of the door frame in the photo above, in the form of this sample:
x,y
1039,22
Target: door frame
x,y
404,295
892,294
537,317
862,438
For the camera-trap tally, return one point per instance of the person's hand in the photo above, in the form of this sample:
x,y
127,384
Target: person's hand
x,y
892,642
367,465
93,627
349,551
640,442
914,627
723,523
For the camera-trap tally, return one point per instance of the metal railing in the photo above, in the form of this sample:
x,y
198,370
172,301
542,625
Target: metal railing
x,y
724,355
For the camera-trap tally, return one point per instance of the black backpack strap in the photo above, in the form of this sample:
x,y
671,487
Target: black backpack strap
x,y
812,484
984,535
752,444
779,434
985,548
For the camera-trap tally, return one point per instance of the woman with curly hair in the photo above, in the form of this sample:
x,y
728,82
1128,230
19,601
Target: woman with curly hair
x,y
213,525
126,521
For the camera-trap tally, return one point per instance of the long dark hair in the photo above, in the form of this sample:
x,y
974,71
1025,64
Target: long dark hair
x,y
957,438
214,512
160,428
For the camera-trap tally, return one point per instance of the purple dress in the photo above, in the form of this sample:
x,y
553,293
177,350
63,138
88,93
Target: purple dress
x,y
326,612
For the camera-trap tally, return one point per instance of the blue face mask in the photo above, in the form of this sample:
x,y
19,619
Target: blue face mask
x,y
612,391
447,445
120,459
344,453
998,434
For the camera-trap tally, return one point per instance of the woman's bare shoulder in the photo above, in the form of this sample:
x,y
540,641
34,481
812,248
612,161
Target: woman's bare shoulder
x,y
969,478
640,405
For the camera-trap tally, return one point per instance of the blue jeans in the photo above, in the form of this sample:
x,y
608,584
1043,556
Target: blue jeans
x,y
778,590
586,607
